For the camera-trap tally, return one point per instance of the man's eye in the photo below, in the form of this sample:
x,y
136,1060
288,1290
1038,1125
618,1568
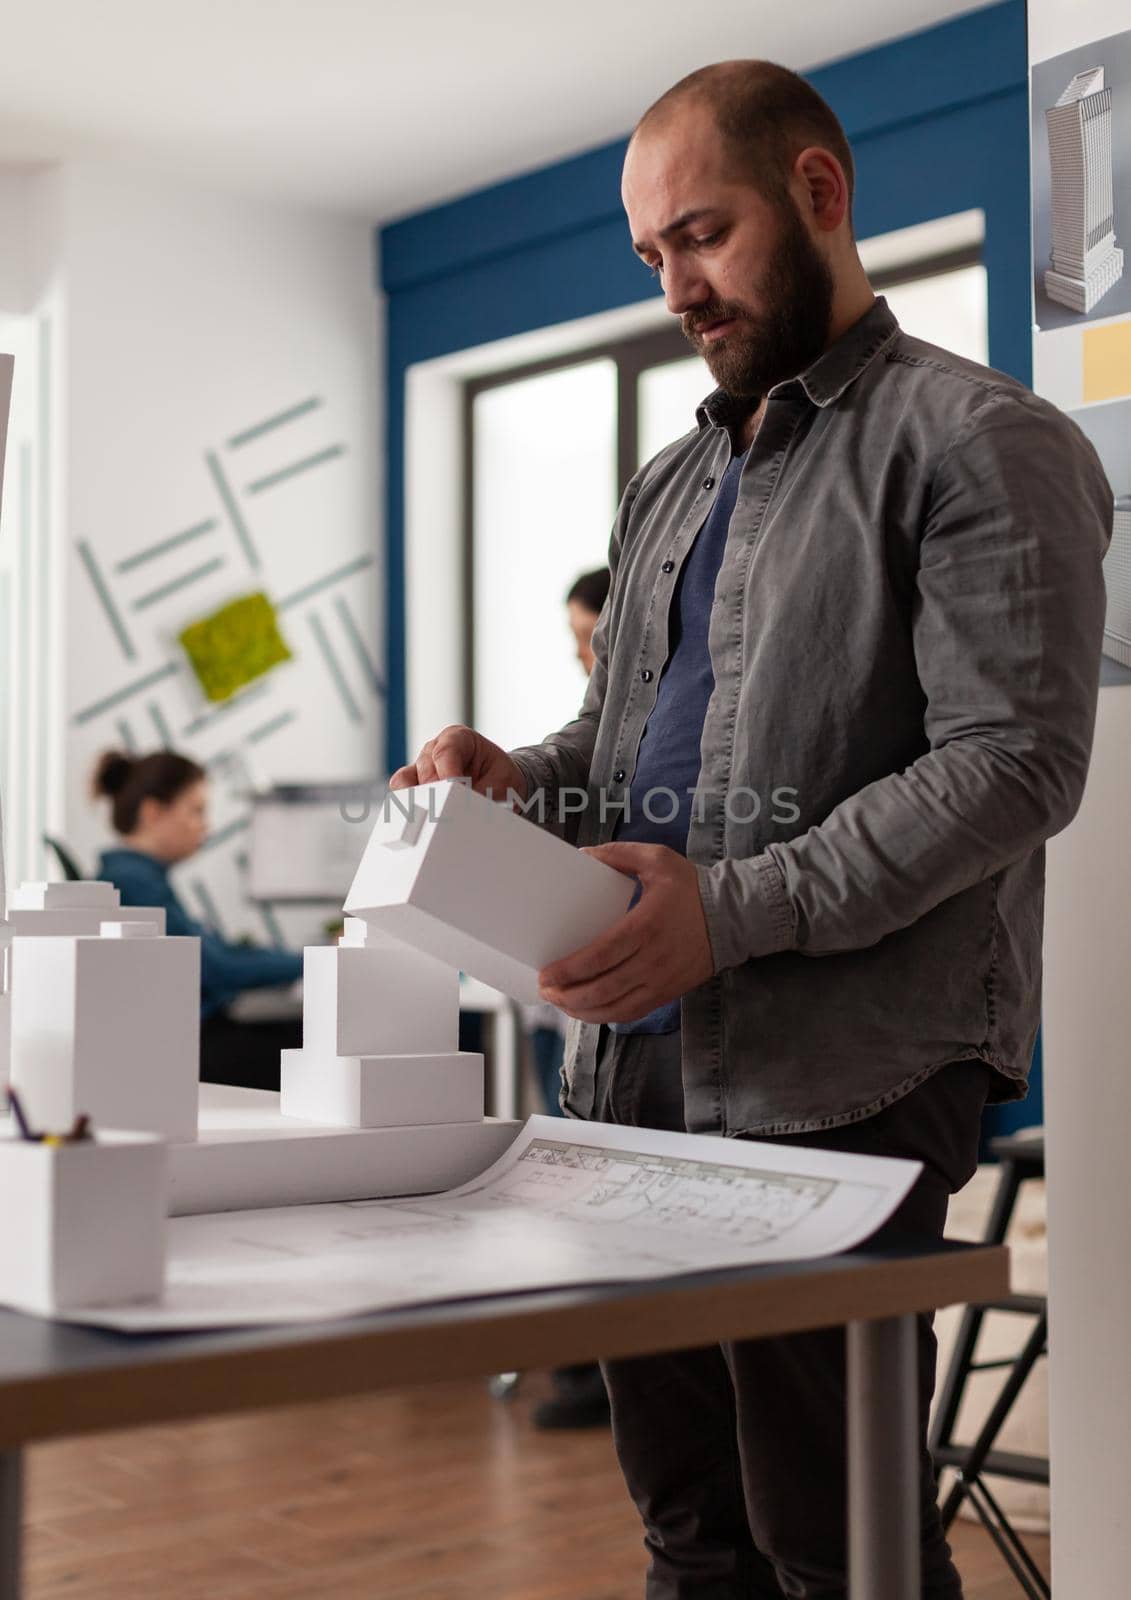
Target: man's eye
x,y
711,238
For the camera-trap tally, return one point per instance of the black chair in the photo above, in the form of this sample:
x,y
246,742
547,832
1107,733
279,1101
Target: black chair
x,y
67,863
1021,1157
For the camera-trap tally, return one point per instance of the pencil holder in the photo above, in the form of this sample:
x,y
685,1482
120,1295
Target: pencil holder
x,y
84,1223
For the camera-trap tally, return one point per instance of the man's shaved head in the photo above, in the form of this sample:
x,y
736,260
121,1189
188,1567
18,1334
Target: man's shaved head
x,y
766,116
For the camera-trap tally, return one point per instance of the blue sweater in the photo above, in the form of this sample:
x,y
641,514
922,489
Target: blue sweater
x,y
669,758
225,969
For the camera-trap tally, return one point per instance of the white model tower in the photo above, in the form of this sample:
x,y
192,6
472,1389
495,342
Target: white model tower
x,y
1086,261
108,1023
42,910
380,1039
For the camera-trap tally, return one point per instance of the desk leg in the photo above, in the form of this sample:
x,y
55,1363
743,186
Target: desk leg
x,y
883,1460
505,1063
11,1523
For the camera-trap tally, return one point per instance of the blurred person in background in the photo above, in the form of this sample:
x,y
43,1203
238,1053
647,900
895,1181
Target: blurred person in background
x,y
159,809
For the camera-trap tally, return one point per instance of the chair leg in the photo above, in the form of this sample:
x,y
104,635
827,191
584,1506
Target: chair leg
x,y
958,1368
1012,1551
971,1468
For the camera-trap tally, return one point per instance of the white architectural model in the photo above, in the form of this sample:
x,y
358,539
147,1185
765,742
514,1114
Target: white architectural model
x,y
472,883
380,1039
35,910
1117,577
108,1024
1086,261
85,1221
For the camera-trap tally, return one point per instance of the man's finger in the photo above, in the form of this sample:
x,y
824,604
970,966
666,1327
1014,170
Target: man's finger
x,y
452,750
404,778
636,860
425,766
617,944
628,1006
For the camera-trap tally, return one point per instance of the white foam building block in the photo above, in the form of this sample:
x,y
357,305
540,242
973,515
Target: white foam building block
x,y
84,1223
29,921
108,1026
380,1039
64,896
387,1000
383,1091
470,882
249,1155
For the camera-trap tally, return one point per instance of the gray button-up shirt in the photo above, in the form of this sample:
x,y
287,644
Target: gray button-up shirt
x,y
906,641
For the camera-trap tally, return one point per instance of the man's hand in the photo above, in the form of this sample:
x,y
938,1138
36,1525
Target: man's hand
x,y
459,752
656,952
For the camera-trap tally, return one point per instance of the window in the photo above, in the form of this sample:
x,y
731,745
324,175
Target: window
x,y
549,449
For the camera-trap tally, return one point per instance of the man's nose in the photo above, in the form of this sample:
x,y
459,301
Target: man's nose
x,y
684,287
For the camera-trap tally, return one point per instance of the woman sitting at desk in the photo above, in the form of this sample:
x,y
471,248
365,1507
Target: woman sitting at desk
x,y
159,807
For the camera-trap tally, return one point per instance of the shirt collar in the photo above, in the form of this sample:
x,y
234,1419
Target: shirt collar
x,y
826,380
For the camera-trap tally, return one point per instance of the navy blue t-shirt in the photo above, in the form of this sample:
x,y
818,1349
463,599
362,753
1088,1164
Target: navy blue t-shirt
x,y
668,763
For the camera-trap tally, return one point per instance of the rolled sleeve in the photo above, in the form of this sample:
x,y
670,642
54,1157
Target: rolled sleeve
x,y
747,910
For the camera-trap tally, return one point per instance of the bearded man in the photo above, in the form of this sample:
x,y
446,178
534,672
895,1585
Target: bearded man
x,y
854,629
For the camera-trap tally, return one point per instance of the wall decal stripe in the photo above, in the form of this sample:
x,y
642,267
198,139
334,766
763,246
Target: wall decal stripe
x,y
207,718
94,572
88,713
208,906
162,546
280,476
334,667
273,925
353,634
260,428
266,729
358,564
205,570
164,732
126,735
235,516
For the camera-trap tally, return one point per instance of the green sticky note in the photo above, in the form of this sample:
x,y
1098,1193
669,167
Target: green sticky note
x,y
235,645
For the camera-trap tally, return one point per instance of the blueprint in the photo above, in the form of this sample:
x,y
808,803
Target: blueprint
x,y
569,1203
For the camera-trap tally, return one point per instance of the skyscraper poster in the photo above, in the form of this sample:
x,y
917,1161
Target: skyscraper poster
x,y
1080,128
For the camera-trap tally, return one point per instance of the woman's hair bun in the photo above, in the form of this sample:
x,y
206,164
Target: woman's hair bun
x,y
112,772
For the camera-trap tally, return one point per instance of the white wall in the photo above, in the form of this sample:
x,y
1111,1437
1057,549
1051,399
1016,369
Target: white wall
x,y
191,317
1087,1029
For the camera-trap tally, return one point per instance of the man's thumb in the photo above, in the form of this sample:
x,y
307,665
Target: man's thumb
x,y
633,859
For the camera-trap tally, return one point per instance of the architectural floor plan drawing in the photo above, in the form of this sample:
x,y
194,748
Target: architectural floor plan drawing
x,y
568,1203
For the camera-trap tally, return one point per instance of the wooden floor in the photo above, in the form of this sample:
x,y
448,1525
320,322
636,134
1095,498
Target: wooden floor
x,y
433,1494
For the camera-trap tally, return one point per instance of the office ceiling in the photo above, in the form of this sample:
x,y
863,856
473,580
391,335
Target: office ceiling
x,y
378,107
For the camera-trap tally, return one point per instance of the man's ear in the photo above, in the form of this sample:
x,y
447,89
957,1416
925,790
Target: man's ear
x,y
824,187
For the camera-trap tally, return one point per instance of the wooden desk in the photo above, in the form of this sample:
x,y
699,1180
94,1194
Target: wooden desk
x,y
57,1380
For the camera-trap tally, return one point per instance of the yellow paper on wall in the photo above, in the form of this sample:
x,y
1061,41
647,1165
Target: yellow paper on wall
x,y
1107,362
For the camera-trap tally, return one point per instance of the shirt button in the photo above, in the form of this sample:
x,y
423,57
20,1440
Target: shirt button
x,y
618,775
668,566
646,675
708,483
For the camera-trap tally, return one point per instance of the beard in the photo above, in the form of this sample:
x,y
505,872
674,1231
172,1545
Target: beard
x,y
765,348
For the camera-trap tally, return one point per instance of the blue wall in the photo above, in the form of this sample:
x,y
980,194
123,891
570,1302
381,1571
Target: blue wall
x,y
938,123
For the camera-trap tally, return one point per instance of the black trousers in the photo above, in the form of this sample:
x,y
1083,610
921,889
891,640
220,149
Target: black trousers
x,y
735,1454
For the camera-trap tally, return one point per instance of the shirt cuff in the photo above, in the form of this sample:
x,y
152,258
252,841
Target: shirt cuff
x,y
747,910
